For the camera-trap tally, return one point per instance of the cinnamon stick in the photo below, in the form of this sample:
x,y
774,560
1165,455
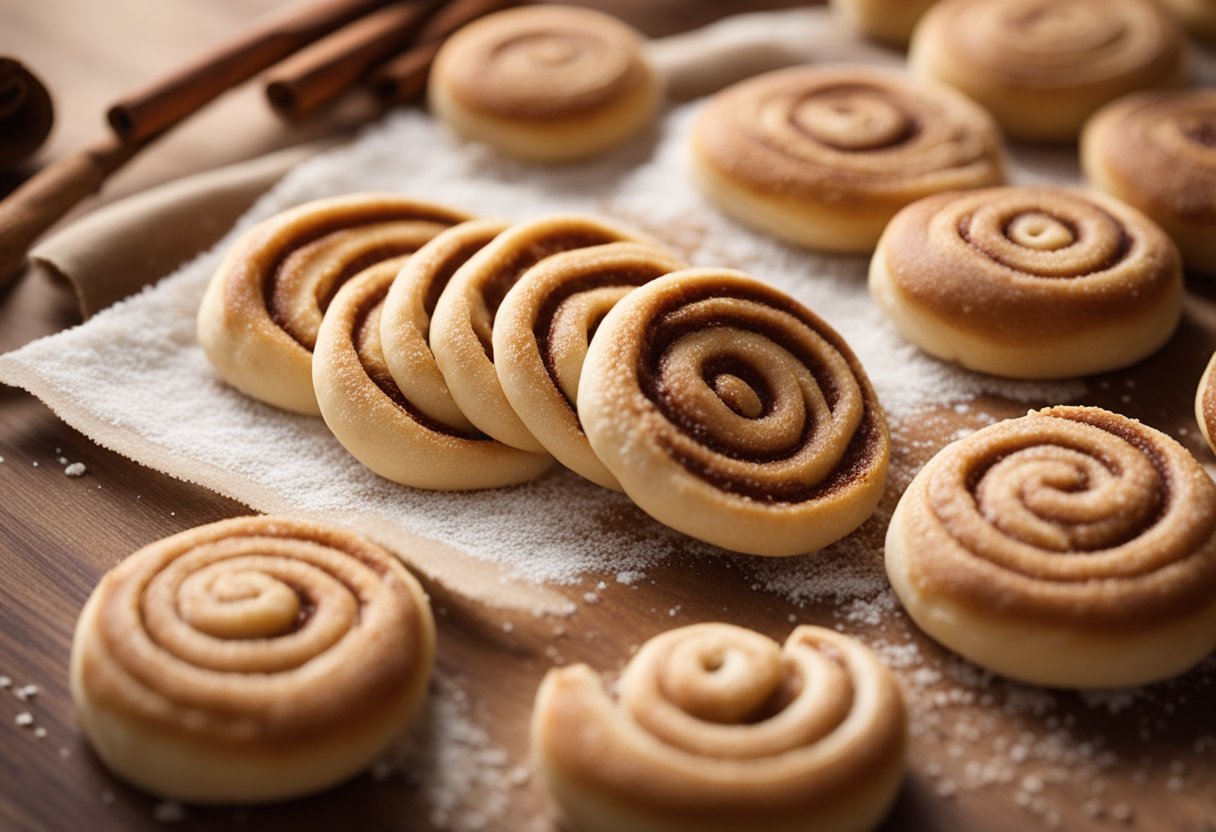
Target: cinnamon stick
x,y
26,112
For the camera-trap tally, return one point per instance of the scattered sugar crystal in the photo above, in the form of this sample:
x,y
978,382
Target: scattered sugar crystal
x,y
5,682
591,598
40,732
76,469
26,692
24,719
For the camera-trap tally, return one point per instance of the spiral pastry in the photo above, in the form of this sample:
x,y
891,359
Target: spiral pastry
x,y
462,326
250,660
718,727
886,21
381,427
731,413
823,157
1072,547
1205,404
259,318
542,332
1043,66
1157,151
549,84
1029,282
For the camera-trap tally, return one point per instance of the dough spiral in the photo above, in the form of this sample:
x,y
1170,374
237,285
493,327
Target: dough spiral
x,y
1041,67
550,84
250,660
731,413
1157,151
720,728
543,329
259,318
825,156
1029,282
1072,547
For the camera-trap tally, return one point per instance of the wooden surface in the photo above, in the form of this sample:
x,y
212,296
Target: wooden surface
x,y
1156,757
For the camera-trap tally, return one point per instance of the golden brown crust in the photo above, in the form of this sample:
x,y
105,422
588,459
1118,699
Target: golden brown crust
x,y
1205,404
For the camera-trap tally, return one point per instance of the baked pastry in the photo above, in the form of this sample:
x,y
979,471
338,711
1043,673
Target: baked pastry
x,y
259,318
549,84
1157,151
1197,15
1029,282
542,331
1072,547
1044,66
462,324
1205,404
719,727
731,413
887,21
824,156
373,419
250,660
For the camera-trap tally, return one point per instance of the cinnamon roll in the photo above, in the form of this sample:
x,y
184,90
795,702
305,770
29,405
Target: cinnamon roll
x,y
378,423
1043,66
259,318
1029,282
1205,404
719,727
1157,151
542,332
731,413
461,328
545,83
886,21
1072,547
250,660
1199,16
824,156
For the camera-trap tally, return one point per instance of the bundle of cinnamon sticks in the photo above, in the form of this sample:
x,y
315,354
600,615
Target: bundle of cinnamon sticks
x,y
314,50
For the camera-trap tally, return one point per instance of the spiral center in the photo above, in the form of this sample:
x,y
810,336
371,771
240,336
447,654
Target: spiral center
x,y
856,119
738,395
242,605
1041,232
552,51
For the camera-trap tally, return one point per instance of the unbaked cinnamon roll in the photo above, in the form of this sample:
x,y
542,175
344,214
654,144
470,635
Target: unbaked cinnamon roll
x,y
250,660
1029,282
1157,151
719,727
1072,547
1205,404
543,329
545,83
462,326
1043,66
887,21
824,156
259,318
731,413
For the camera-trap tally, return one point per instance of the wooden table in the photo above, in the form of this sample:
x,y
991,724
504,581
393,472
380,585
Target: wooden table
x,y
60,534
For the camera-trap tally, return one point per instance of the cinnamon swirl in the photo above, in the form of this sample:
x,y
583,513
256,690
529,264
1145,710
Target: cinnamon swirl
x,y
1072,547
824,156
1157,151
549,84
718,727
1043,66
1029,282
250,660
731,413
259,318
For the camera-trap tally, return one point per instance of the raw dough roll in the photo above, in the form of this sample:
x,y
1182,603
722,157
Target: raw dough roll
x,y
250,660
374,420
542,332
824,156
720,729
1157,151
1072,547
1043,66
1029,282
1205,404
259,318
545,83
887,21
462,326
731,413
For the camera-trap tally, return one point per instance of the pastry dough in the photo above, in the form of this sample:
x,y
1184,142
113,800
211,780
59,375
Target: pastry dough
x,y
545,83
1043,66
259,318
1157,151
1072,547
1205,404
731,413
720,729
888,21
1029,282
824,156
250,660
543,329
